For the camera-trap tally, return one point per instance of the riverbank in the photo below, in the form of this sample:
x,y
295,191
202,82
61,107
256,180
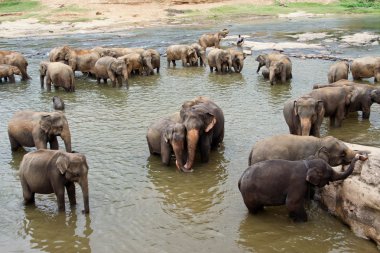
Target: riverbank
x,y
57,17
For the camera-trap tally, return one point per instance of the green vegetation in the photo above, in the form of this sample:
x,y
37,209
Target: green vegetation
x,y
18,6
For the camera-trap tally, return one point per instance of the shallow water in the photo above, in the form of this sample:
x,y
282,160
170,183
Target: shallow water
x,y
139,205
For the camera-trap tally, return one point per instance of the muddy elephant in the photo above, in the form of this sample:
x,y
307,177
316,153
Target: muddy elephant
x,y
58,74
237,59
134,62
266,59
279,70
58,103
8,72
15,59
51,171
294,147
336,101
36,129
338,71
283,182
167,136
204,122
185,53
366,67
304,115
151,61
201,54
219,59
363,96
114,69
212,39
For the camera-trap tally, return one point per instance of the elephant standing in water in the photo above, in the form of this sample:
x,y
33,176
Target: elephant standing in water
x,y
9,72
36,129
114,69
51,171
201,53
279,70
338,71
237,58
151,61
58,73
15,59
186,53
279,182
219,59
204,122
212,39
366,67
266,59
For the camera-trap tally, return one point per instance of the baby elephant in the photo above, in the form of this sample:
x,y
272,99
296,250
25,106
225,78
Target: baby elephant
x,y
51,171
58,103
279,182
9,72
167,136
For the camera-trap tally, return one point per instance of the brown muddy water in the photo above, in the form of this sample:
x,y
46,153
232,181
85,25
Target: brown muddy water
x,y
139,205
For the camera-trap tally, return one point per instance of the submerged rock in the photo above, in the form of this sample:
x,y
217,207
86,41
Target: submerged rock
x,y
359,39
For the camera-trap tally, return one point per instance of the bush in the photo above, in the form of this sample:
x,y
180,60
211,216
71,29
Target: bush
x,y
360,3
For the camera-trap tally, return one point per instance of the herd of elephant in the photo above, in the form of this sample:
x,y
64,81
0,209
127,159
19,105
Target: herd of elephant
x,y
282,168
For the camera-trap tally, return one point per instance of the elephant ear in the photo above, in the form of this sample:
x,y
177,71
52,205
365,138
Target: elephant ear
x,y
45,123
323,154
168,135
295,108
211,124
62,163
314,175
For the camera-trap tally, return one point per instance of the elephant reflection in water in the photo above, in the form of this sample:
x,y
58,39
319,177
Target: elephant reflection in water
x,y
60,233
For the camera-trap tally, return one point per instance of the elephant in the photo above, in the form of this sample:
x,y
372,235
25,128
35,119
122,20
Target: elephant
x,y
186,53
366,67
134,62
15,59
9,72
204,123
237,59
58,103
282,182
212,39
336,101
151,61
362,98
120,51
36,129
304,115
51,171
266,59
58,73
167,136
219,59
338,71
114,69
201,54
294,147
279,70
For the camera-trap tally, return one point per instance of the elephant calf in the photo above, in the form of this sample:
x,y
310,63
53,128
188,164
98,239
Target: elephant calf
x,y
279,182
58,73
9,72
51,171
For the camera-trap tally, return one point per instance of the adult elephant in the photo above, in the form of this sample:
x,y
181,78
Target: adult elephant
x,y
294,147
279,70
279,182
366,67
51,171
204,122
151,61
167,136
134,62
15,59
36,129
363,96
114,69
304,115
338,71
201,54
266,59
212,39
219,59
237,59
58,73
8,72
185,53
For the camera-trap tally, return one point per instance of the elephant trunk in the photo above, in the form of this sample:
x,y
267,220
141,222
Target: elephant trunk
x,y
240,65
178,148
343,175
42,78
192,141
305,126
259,67
271,76
66,137
203,59
84,185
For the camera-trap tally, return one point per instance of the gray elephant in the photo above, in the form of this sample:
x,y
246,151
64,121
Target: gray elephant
x,y
363,96
366,67
8,72
60,74
204,122
212,39
266,59
280,182
51,171
36,129
304,115
151,61
15,59
121,51
185,53
279,70
114,69
201,53
238,58
219,59
338,71
134,62
167,136
294,147
58,103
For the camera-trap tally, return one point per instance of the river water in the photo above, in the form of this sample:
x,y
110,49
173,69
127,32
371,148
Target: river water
x,y
139,205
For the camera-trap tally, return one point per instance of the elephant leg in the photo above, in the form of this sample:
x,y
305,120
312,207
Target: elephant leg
x,y
26,192
48,83
174,64
12,79
205,148
184,61
14,144
168,63
60,199
296,208
98,80
119,81
219,67
54,143
70,188
158,70
211,69
166,152
105,80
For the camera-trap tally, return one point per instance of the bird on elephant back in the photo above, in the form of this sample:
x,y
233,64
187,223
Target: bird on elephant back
x,y
8,72
212,39
15,59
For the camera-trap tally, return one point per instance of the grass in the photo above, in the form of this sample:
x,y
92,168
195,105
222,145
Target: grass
x,y
7,6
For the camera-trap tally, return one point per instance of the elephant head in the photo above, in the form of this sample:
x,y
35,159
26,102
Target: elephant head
x,y
223,33
226,60
238,61
276,69
119,68
43,70
306,112
75,169
262,59
175,135
67,54
375,96
334,151
55,124
191,55
147,62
